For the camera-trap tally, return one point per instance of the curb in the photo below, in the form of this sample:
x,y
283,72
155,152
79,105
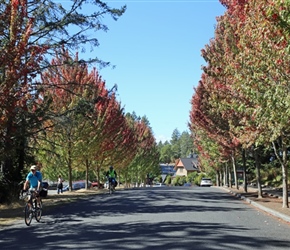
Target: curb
x,y
268,210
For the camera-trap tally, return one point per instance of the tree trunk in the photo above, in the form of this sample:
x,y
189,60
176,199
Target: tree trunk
x,y
285,186
69,166
217,178
227,183
283,163
220,178
224,176
235,172
230,176
98,169
245,171
258,169
125,175
87,173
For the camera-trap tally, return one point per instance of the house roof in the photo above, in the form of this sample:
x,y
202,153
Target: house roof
x,y
190,164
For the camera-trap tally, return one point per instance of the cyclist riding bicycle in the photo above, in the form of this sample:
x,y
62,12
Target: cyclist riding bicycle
x,y
112,176
34,180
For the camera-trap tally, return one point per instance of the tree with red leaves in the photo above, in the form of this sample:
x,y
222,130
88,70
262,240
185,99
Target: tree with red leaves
x,y
265,56
246,77
111,144
211,140
83,112
30,32
19,108
146,158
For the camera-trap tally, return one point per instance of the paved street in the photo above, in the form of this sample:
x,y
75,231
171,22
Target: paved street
x,y
152,218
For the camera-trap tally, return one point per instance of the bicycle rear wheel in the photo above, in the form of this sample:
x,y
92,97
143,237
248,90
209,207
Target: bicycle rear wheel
x,y
28,214
38,210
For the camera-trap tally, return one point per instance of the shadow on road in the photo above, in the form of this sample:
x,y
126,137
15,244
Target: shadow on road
x,y
80,225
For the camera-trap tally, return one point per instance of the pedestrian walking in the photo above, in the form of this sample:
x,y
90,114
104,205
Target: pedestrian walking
x,y
59,184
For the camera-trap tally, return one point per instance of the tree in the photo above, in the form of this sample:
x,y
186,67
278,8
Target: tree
x,y
263,62
30,33
245,81
85,117
181,146
146,159
20,114
166,154
175,136
186,145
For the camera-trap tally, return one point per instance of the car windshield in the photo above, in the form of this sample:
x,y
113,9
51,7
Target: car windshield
x,y
206,179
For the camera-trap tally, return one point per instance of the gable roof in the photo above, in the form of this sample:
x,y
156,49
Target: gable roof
x,y
190,164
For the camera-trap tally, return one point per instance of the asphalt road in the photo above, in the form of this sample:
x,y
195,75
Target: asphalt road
x,y
152,218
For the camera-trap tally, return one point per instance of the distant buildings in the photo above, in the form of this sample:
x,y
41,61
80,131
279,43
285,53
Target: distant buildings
x,y
182,167
167,169
185,166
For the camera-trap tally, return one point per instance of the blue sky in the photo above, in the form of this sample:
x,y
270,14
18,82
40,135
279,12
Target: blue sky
x,y
156,48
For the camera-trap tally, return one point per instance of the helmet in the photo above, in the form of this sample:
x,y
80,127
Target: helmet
x,y
33,167
111,167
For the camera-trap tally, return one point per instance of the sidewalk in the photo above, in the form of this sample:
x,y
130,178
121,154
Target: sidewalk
x,y
271,203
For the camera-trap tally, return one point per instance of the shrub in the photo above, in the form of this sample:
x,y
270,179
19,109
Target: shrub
x,y
191,177
168,180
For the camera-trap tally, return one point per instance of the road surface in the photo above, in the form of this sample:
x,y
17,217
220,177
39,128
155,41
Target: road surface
x,y
152,218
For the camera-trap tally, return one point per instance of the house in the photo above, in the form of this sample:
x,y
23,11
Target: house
x,y
185,166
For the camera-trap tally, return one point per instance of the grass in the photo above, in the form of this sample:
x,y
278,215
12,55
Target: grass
x,y
14,211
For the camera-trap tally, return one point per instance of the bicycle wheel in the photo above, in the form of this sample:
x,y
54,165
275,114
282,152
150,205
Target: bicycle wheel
x,y
38,210
28,214
110,188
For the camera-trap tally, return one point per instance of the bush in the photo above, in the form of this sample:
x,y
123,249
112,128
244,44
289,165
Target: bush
x,y
182,181
192,178
168,180
179,181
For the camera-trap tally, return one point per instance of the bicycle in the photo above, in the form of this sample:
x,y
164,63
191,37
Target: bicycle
x,y
111,187
32,207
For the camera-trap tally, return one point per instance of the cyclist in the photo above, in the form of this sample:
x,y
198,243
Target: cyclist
x,y
112,175
34,180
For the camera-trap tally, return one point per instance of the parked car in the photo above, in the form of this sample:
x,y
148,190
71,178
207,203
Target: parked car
x,y
158,184
96,184
52,185
76,185
205,182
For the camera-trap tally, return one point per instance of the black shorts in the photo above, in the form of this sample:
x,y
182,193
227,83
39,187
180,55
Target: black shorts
x,y
40,188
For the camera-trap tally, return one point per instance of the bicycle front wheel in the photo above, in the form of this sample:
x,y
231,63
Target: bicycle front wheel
x,y
28,214
38,211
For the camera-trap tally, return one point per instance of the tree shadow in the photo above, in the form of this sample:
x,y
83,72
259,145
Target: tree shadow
x,y
134,219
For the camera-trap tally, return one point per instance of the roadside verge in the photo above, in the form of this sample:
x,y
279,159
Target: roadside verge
x,y
15,211
269,204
